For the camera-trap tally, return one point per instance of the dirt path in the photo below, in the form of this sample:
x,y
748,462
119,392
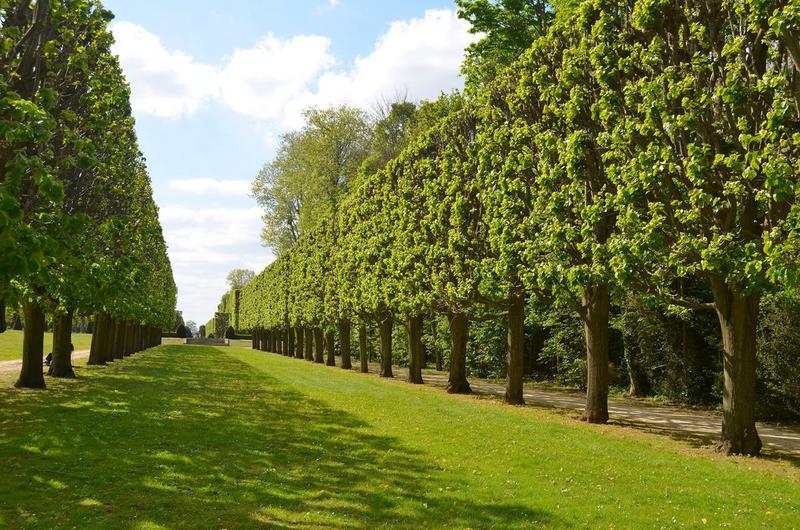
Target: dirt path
x,y
9,367
697,427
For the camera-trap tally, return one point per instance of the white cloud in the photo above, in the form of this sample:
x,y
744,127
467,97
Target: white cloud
x,y
165,83
274,80
260,82
419,58
204,244
209,186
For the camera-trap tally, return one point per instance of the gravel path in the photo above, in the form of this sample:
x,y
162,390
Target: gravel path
x,y
9,367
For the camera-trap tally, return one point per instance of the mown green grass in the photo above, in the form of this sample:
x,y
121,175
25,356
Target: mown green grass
x,y
196,437
11,344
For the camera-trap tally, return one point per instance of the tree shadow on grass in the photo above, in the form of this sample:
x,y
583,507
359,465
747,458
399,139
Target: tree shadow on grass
x,y
159,442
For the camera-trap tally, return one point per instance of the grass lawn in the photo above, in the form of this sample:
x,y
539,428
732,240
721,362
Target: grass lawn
x,y
11,344
201,437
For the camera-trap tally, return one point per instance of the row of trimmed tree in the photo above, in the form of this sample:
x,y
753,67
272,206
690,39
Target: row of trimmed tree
x,y
634,147
79,231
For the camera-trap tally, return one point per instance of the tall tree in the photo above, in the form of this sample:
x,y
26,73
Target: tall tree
x,y
507,27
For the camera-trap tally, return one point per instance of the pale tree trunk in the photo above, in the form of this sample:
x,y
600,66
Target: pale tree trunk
x,y
596,306
330,347
309,345
299,346
344,339
459,332
386,346
62,342
363,352
32,375
319,346
738,319
416,351
516,349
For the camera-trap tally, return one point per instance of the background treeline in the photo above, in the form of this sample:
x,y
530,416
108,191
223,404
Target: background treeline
x,y
79,231
612,201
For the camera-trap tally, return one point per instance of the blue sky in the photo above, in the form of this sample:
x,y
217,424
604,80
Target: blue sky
x,y
214,85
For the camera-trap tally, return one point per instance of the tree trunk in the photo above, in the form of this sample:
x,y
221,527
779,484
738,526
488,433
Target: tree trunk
x,y
363,352
319,346
96,356
738,319
110,337
415,349
344,341
457,381
140,338
129,340
386,346
308,344
2,315
290,342
330,347
254,340
596,306
32,375
437,352
639,385
299,346
62,346
516,349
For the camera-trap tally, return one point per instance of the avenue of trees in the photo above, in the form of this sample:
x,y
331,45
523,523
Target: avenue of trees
x,y
616,172
79,231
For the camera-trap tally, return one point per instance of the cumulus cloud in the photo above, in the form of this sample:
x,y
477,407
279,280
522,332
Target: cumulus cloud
x,y
209,186
260,82
204,245
420,57
165,83
275,79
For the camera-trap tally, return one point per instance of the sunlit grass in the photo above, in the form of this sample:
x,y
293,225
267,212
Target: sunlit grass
x,y
194,437
11,344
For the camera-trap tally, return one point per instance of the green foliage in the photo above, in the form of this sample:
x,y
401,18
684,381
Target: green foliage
x,y
507,28
778,369
311,173
78,226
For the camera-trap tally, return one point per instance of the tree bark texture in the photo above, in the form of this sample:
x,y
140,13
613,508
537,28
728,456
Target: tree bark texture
x,y
738,320
61,365
96,356
319,346
386,326
596,306
416,350
32,375
457,381
308,344
344,341
363,351
330,348
298,342
516,349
